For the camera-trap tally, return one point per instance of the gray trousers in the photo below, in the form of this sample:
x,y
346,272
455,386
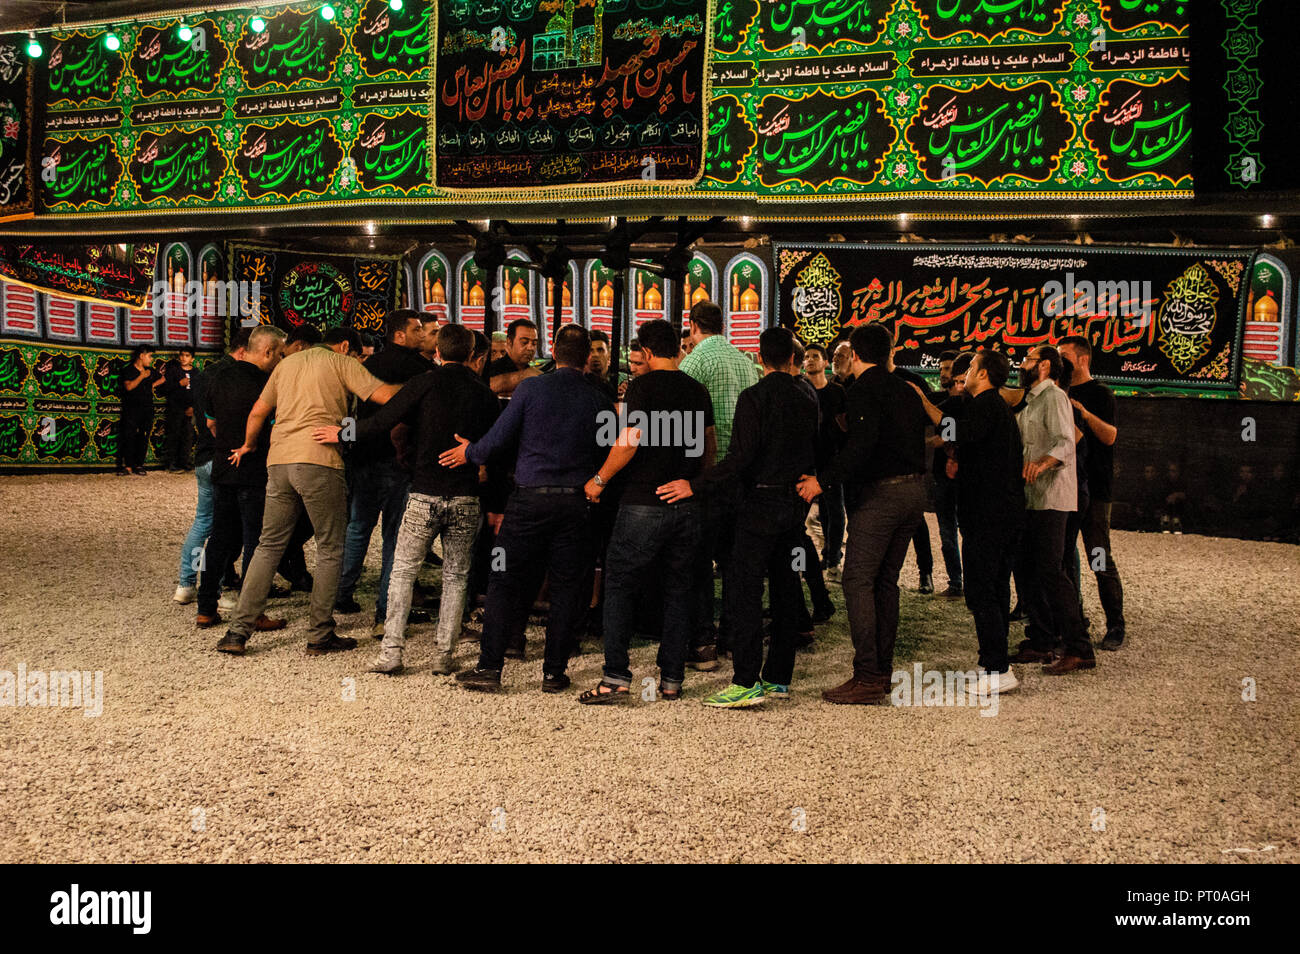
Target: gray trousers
x,y
290,488
456,520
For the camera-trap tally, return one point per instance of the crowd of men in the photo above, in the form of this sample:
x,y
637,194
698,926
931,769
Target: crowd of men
x,y
608,503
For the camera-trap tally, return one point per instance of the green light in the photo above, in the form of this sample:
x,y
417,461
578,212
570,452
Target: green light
x,y
327,12
257,24
112,42
394,5
185,33
34,49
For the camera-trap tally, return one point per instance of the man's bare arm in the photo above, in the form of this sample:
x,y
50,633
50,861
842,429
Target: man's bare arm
x,y
504,384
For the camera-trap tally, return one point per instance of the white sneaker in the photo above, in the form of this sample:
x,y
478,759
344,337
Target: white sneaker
x,y
229,600
389,661
991,682
185,594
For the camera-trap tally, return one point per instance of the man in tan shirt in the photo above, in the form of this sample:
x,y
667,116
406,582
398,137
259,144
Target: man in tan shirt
x,y
306,391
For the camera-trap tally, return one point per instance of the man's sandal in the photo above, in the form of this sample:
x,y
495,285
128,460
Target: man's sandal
x,y
669,695
603,695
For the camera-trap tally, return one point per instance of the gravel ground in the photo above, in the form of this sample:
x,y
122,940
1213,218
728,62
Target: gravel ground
x,y
1152,757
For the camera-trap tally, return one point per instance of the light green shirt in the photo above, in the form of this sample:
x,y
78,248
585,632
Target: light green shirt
x,y
1047,427
725,371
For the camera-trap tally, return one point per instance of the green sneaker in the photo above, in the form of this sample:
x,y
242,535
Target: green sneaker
x,y
737,697
775,689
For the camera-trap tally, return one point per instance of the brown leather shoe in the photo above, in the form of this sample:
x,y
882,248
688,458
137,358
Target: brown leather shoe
x,y
1028,654
857,692
207,622
1067,664
265,624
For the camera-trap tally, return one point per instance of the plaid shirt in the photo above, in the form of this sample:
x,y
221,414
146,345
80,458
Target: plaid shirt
x,y
725,371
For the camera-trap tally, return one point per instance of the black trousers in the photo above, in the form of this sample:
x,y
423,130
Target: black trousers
x,y
880,529
988,546
237,513
1055,624
133,440
542,533
924,552
1095,527
179,438
717,536
766,545
293,565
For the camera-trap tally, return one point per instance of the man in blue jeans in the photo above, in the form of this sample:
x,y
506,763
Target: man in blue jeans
x,y
379,483
554,420
444,401
666,435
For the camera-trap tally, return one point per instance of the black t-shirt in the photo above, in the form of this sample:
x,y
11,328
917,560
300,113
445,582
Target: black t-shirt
x,y
831,399
990,489
662,454
138,402
951,406
228,397
177,394
1099,400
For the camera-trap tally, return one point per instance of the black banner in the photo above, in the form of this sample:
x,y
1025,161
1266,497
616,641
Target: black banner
x,y
17,185
822,137
299,287
164,63
114,274
177,166
287,158
1155,317
570,95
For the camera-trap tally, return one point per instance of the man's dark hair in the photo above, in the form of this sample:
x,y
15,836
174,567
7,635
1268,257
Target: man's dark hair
x,y
1079,342
240,338
572,346
660,339
1053,358
776,348
598,335
997,366
512,329
961,363
686,333
635,344
399,320
481,345
140,350
799,350
1067,373
819,349
370,341
427,317
181,351
339,335
706,316
947,356
308,334
455,343
872,343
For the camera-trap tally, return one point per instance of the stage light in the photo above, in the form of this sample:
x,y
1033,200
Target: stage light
x,y
327,12
257,24
394,5
185,33
111,41
34,49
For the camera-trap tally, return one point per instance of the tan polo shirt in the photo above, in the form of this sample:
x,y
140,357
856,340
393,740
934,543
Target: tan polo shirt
x,y
309,390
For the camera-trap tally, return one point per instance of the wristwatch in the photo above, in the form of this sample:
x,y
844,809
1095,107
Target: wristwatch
x,y
599,481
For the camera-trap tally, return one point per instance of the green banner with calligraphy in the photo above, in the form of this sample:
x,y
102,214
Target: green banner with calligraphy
x,y
1155,317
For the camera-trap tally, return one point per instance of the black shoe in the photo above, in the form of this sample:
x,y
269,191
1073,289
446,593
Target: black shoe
x,y
331,644
232,644
303,584
555,683
823,612
346,605
1017,614
123,472
1113,641
139,472
416,617
703,658
927,584
277,593
480,680
516,651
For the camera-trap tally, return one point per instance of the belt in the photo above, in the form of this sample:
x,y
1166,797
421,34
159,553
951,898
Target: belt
x,y
550,490
904,479
790,486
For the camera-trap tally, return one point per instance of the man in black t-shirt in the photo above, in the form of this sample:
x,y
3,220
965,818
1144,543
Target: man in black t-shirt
x,y
921,536
831,435
180,410
507,372
666,435
136,384
238,491
1096,405
952,381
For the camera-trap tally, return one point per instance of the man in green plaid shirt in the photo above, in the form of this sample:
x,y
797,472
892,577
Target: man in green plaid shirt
x,y
725,371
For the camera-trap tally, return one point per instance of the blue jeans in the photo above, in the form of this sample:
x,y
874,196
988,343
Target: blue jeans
x,y
659,542
377,488
945,507
200,528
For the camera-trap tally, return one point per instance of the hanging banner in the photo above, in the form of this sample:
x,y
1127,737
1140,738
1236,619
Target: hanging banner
x,y
297,287
17,178
1155,317
567,96
111,274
